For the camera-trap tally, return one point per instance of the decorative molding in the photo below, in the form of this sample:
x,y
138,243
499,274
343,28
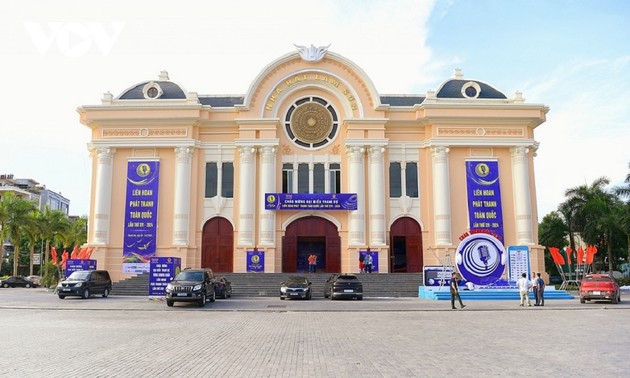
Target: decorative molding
x,y
480,131
144,133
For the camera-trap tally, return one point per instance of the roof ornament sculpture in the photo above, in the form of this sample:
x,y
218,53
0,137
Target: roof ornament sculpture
x,y
312,53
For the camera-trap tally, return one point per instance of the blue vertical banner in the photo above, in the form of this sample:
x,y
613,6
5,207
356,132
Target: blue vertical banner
x,y
256,261
162,271
141,203
484,197
79,264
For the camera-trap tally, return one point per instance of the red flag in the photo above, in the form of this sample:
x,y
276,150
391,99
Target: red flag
x,y
580,255
569,251
556,256
88,253
75,250
82,253
64,258
53,252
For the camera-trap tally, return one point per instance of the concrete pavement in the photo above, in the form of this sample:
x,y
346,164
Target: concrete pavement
x,y
265,337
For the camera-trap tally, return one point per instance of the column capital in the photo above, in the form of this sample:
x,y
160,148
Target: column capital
x,y
101,151
440,150
184,151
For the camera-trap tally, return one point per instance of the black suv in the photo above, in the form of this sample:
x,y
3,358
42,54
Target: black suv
x,y
191,285
83,283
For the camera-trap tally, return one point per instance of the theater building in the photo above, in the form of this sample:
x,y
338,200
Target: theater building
x,y
312,159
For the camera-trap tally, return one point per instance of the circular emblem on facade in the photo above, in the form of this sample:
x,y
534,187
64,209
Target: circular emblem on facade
x,y
481,259
143,170
255,259
311,122
482,169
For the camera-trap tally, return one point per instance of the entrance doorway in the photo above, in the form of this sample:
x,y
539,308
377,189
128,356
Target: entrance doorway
x,y
311,245
311,235
217,245
406,246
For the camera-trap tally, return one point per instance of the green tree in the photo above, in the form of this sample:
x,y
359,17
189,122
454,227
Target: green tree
x,y
552,232
18,212
623,191
32,232
52,223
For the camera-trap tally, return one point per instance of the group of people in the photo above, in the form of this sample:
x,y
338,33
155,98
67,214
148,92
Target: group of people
x,y
366,263
537,284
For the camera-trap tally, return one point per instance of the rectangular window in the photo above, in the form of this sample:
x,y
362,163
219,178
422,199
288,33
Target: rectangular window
x,y
319,177
227,180
395,189
211,180
303,178
411,179
334,174
287,178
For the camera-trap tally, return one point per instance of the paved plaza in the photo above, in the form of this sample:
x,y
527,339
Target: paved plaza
x,y
43,336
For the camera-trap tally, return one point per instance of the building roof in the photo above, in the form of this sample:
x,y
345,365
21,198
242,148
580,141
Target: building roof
x,y
453,88
170,91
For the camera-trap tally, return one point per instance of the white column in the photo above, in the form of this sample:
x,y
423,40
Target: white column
x,y
181,205
377,195
441,196
247,195
103,194
522,195
356,184
267,185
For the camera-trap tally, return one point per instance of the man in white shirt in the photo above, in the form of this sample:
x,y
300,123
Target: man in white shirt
x,y
524,285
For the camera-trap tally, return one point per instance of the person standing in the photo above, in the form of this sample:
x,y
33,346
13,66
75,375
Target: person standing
x,y
524,285
455,291
311,263
540,291
534,288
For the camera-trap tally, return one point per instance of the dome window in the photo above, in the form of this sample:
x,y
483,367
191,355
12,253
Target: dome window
x,y
152,91
471,90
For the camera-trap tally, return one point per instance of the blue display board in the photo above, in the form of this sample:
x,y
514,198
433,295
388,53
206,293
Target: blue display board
x,y
79,264
162,270
256,261
438,275
481,258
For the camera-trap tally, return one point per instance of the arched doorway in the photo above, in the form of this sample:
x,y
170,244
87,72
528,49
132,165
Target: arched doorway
x,y
311,235
217,245
405,241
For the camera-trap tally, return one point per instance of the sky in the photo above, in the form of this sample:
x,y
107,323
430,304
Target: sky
x,y
572,56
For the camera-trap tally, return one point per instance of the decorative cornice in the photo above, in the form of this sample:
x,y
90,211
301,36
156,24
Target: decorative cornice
x,y
144,132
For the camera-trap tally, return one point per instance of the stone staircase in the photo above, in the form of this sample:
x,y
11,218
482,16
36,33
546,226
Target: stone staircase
x,y
268,284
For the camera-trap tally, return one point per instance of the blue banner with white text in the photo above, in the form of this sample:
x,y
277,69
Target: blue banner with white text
x,y
141,202
162,271
310,201
484,197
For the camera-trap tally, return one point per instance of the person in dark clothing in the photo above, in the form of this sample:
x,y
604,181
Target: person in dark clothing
x,y
455,291
539,284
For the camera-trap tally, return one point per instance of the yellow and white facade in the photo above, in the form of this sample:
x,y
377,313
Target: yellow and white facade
x,y
311,122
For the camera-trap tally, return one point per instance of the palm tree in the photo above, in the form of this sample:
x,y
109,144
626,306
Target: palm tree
x,y
51,224
603,223
18,212
75,232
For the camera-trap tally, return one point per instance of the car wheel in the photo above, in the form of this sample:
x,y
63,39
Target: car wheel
x,y
169,303
105,293
61,296
202,301
28,286
86,294
213,297
582,300
281,298
360,297
614,300
5,285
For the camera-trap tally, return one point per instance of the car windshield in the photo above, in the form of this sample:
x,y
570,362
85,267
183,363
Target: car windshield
x,y
347,278
190,276
79,275
598,279
296,280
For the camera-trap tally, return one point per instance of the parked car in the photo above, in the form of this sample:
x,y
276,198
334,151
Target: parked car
x,y
18,281
222,288
599,287
84,283
191,285
343,286
34,279
296,287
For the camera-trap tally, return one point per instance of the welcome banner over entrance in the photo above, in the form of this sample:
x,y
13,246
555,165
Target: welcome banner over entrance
x,y
310,201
